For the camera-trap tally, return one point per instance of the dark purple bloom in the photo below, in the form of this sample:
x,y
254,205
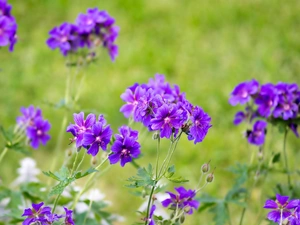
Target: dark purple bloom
x,y
257,135
239,117
36,214
81,126
294,127
162,88
184,199
98,137
38,132
64,38
200,125
8,29
125,147
242,93
267,99
281,208
85,23
167,118
150,219
5,8
29,115
68,218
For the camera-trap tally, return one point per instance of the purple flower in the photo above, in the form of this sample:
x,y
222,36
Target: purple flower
x,y
8,29
294,127
281,208
184,199
98,137
162,88
267,99
150,218
167,118
36,214
257,135
64,38
68,217
287,107
200,125
29,115
38,132
81,126
131,97
85,23
242,93
239,117
5,8
125,147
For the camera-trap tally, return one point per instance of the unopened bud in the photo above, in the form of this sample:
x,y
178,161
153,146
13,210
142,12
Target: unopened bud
x,y
172,215
205,167
155,136
210,178
94,161
260,155
182,218
69,152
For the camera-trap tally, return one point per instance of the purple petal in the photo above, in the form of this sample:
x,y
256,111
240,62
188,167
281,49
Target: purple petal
x,y
94,149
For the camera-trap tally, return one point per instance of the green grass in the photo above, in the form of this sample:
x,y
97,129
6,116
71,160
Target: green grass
x,y
206,47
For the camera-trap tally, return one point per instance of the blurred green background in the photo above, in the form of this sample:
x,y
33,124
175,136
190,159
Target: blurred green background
x,y
206,47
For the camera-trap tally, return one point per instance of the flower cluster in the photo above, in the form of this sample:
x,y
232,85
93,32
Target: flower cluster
x,y
8,26
284,211
36,127
269,102
96,28
40,214
183,201
90,133
125,147
159,106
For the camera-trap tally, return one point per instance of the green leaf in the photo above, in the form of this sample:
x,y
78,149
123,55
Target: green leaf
x,y
33,191
178,179
170,172
142,179
170,176
221,214
241,170
276,158
7,134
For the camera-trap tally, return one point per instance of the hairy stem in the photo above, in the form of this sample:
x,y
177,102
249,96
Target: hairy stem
x,y
3,153
286,160
55,203
149,202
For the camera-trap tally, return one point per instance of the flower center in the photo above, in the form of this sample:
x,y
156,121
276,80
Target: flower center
x,y
286,107
167,120
197,122
63,39
270,103
39,132
98,139
125,152
244,94
258,133
89,22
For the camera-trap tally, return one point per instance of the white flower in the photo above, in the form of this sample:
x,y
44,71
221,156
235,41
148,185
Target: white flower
x,y
3,203
160,210
27,172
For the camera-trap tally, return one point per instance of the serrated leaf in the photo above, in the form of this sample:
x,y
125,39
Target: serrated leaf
x,y
7,134
241,170
142,179
221,214
170,172
276,158
178,179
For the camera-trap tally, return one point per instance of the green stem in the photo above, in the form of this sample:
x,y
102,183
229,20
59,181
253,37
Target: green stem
x,y
149,202
3,153
229,218
79,164
286,160
55,203
87,213
135,164
157,156
87,183
74,163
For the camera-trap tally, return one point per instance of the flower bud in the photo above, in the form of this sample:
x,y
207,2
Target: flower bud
x,y
210,178
155,136
260,155
94,161
182,219
69,152
205,167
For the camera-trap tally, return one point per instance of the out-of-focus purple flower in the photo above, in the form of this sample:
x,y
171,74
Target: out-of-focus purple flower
x,y
64,38
150,218
5,8
8,29
200,125
267,99
29,115
162,88
257,135
281,208
37,213
287,107
98,137
68,217
131,97
167,118
184,199
38,132
294,127
239,117
242,93
125,147
81,126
